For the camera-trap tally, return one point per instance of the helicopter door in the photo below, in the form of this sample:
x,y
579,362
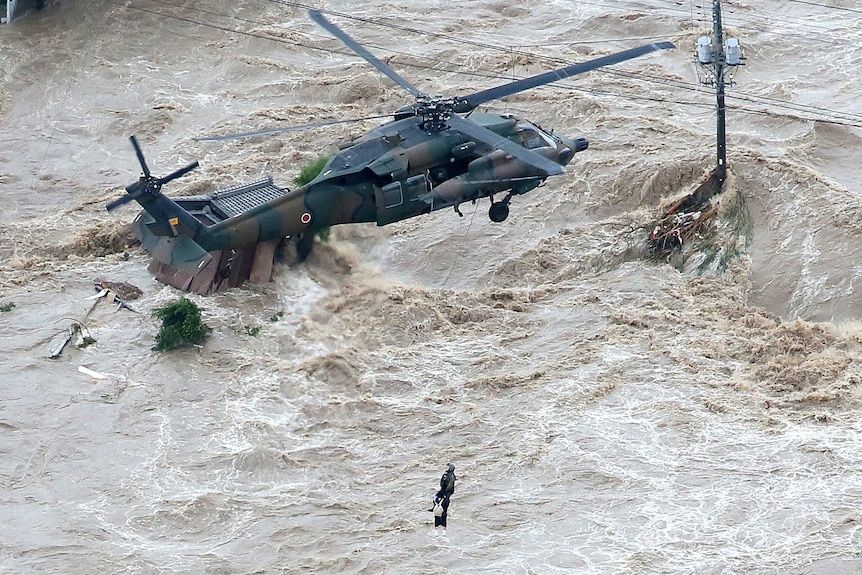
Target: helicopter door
x,y
395,201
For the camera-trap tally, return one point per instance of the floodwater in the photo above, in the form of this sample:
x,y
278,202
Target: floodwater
x,y
607,414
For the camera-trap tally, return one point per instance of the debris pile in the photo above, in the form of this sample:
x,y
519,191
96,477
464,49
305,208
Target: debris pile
x,y
677,229
686,220
77,332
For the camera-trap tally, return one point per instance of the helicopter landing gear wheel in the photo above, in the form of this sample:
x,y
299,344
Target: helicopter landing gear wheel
x,y
499,211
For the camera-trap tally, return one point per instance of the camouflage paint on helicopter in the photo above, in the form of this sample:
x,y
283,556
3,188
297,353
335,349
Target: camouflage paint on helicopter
x,y
436,153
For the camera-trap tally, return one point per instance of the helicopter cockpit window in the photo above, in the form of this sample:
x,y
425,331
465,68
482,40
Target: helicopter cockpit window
x,y
531,139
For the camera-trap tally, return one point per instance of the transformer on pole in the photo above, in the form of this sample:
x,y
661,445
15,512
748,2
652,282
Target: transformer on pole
x,y
717,58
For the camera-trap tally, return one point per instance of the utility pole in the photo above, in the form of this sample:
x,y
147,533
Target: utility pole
x,y
10,12
720,56
720,137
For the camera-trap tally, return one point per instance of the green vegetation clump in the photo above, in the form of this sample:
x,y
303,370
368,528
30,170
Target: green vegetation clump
x,y
277,316
310,170
323,235
252,331
7,306
181,325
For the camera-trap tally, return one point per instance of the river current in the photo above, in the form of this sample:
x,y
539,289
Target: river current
x,y
607,412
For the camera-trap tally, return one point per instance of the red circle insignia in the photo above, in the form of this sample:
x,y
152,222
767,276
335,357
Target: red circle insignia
x,y
305,218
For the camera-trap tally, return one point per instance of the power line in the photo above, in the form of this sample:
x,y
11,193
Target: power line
x,y
189,20
819,5
754,22
842,116
826,115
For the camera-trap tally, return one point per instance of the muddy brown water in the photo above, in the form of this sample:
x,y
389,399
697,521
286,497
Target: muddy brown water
x,y
606,413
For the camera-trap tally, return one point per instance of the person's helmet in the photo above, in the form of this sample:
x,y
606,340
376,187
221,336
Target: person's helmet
x,y
450,467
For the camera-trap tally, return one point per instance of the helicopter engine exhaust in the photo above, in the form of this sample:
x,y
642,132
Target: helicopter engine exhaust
x,y
581,144
572,147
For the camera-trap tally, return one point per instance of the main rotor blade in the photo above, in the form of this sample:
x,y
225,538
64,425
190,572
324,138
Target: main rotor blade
x,y
467,103
287,129
140,155
318,17
495,140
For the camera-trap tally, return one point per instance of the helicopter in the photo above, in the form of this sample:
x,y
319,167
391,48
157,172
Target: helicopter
x,y
435,153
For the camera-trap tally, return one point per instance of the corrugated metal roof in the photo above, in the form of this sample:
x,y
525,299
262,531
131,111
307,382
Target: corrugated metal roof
x,y
234,201
230,202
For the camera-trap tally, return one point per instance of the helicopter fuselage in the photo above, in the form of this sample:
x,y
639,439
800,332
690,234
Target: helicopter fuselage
x,y
401,170
394,172
437,152
398,171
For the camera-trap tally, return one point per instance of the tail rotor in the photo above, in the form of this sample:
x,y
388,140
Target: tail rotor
x,y
140,155
147,184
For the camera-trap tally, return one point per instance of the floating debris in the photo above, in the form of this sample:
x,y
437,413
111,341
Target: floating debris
x,y
77,332
117,292
91,373
124,290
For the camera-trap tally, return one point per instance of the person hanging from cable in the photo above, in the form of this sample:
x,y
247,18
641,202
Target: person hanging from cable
x,y
441,499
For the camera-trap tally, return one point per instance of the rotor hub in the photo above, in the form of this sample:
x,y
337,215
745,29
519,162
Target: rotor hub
x,y
435,111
